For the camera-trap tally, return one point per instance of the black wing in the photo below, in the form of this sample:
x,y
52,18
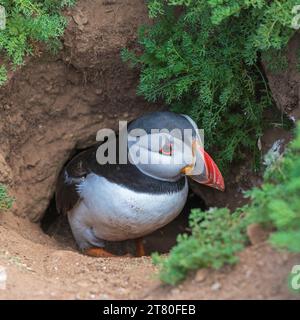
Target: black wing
x,y
122,174
71,175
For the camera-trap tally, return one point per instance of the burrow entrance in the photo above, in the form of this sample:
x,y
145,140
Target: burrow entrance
x,y
162,240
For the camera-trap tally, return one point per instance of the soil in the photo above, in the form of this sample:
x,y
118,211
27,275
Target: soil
x,y
40,267
56,104
51,108
285,84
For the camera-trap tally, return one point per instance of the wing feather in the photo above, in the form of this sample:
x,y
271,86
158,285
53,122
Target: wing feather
x,y
69,180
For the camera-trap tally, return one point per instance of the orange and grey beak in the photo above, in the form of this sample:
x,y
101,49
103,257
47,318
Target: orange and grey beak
x,y
204,170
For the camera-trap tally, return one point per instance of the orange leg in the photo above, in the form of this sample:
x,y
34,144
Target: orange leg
x,y
98,253
140,250
102,253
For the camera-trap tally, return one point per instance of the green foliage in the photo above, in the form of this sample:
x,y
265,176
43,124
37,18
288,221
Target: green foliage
x,y
217,234
28,22
216,237
5,200
200,57
277,202
3,75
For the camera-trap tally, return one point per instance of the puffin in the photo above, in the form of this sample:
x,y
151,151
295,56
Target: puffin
x,y
107,202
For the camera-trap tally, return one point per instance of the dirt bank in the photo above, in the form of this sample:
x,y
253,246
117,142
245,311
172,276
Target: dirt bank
x,y
285,84
54,106
39,267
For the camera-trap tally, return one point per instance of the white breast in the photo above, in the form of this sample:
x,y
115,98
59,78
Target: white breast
x,y
116,213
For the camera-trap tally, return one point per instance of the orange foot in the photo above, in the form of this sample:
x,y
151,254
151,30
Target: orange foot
x,y
140,250
98,253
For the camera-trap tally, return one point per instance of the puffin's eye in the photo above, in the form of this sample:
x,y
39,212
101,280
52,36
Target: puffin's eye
x,y
166,149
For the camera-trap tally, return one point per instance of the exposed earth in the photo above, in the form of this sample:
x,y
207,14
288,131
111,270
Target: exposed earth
x,y
51,108
39,267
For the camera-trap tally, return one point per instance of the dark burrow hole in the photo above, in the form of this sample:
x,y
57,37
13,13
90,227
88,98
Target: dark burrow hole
x,y
162,240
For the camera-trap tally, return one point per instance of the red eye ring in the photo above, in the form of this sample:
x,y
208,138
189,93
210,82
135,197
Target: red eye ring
x,y
167,152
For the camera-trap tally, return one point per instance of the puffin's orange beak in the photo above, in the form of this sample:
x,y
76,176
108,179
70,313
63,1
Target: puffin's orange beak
x,y
204,170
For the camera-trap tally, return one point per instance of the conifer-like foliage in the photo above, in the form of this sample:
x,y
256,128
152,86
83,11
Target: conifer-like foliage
x,y
5,200
217,235
201,58
29,22
3,76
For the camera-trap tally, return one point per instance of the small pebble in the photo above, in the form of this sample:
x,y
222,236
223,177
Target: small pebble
x,y
248,274
256,233
201,275
175,291
3,278
216,286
